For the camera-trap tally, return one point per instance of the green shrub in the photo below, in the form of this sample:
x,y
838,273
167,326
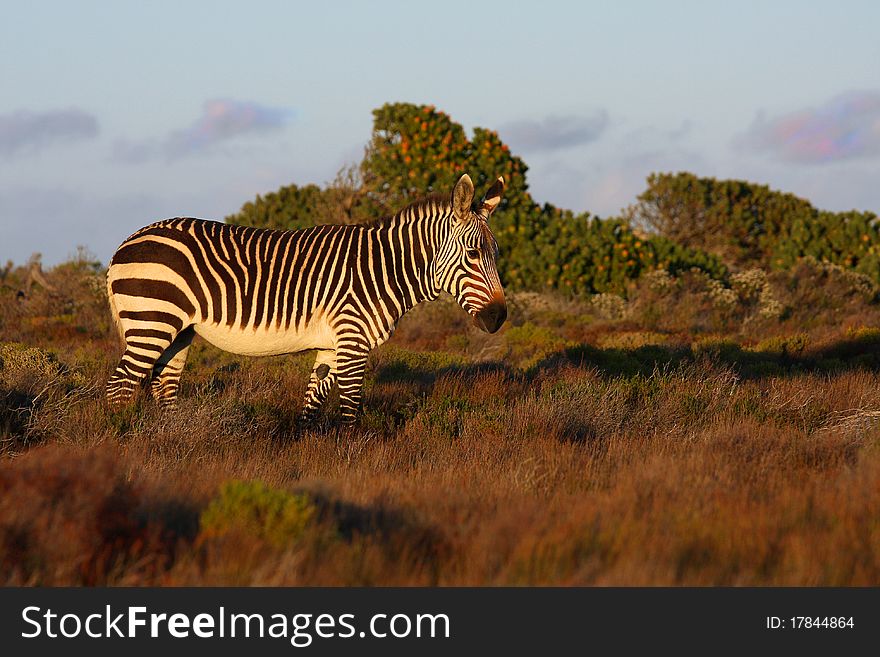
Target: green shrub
x,y
251,507
291,207
448,415
633,340
717,348
864,334
529,343
24,368
395,363
17,360
784,345
750,225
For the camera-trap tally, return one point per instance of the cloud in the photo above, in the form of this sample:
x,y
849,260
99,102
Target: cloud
x,y
25,131
846,127
554,132
222,120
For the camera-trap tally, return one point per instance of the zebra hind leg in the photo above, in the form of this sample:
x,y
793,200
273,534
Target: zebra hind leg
x,y
321,382
134,367
166,372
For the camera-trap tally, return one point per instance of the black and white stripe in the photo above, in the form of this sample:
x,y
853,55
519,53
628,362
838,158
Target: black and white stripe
x,y
337,289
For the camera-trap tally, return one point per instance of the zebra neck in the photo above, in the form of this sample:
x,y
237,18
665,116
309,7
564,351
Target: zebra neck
x,y
410,245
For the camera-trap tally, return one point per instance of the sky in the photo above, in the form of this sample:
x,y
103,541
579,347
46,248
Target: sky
x,y
115,114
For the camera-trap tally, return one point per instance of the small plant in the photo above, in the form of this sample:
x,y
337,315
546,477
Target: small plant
x,y
633,340
251,507
609,306
784,345
448,415
864,334
529,343
717,348
18,360
660,281
749,284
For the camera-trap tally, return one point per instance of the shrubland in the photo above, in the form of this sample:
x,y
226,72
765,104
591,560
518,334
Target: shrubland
x,y
689,433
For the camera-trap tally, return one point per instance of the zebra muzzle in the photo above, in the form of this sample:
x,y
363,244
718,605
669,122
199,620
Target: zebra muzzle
x,y
492,316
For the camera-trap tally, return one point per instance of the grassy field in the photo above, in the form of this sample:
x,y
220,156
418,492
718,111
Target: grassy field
x,y
692,434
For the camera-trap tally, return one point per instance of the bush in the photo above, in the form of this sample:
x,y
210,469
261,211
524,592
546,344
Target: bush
x,y
750,225
255,509
784,346
528,344
20,365
735,220
37,394
289,208
864,334
716,348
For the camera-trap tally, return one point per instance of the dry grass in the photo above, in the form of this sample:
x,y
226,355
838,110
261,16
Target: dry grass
x,y
568,449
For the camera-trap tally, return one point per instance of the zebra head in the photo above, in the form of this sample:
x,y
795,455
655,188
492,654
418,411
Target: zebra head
x,y
466,264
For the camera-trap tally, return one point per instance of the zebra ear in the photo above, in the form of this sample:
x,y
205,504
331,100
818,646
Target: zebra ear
x,y
493,197
463,198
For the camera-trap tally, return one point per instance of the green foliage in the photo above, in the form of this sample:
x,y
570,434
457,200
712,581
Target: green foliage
x,y
864,334
746,224
448,415
784,345
717,348
16,359
529,343
633,340
850,239
395,363
674,258
253,508
416,149
735,220
290,208
23,367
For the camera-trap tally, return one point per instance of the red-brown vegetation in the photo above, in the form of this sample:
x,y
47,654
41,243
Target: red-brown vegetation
x,y
685,436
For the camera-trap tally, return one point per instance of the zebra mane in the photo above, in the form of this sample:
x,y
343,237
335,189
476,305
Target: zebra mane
x,y
432,204
427,206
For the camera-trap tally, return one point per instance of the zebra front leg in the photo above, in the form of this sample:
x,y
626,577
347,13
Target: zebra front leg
x,y
321,382
166,372
350,375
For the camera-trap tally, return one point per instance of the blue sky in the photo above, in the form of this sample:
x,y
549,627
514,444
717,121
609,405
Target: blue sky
x,y
115,114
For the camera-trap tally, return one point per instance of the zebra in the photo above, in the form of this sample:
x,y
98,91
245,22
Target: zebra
x,y
336,289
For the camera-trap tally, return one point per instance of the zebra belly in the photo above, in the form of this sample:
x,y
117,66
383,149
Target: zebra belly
x,y
267,341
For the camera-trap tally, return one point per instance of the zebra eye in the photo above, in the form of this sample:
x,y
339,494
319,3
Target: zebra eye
x,y
473,254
